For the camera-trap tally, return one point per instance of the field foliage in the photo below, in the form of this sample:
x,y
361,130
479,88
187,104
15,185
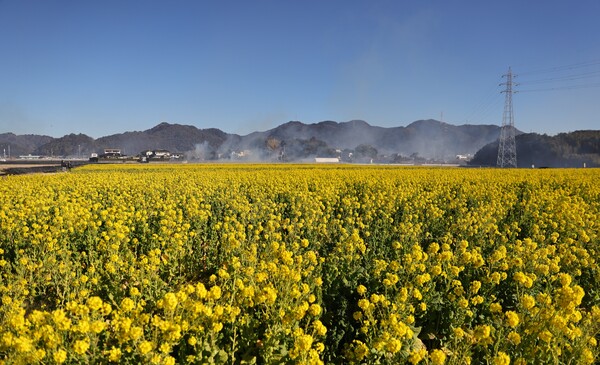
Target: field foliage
x,y
274,264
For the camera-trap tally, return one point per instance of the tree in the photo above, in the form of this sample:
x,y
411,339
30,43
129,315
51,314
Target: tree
x,y
365,150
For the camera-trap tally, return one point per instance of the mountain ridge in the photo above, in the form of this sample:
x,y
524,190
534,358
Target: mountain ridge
x,y
181,138
354,140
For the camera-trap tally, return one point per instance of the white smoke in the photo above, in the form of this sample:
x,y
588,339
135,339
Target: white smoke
x,y
201,152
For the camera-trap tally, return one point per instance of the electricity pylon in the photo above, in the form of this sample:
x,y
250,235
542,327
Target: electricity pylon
x,y
507,148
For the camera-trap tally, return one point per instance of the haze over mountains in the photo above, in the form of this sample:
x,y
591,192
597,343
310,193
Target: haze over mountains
x,y
427,138
353,141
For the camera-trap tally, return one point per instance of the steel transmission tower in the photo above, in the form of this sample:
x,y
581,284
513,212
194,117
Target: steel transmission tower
x,y
507,148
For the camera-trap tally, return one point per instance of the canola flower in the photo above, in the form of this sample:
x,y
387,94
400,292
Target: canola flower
x,y
303,264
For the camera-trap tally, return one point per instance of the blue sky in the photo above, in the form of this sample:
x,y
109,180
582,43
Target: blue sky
x,y
105,67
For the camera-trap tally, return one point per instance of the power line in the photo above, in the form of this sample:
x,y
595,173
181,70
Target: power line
x,y
491,109
557,79
561,81
562,68
488,100
563,78
572,87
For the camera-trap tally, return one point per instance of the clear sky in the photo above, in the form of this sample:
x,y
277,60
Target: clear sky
x,y
105,67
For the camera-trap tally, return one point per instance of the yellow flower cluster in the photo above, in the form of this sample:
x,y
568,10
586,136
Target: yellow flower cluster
x,y
305,264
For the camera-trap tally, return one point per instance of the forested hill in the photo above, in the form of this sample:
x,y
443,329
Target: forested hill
x,y
420,141
298,141
15,145
572,149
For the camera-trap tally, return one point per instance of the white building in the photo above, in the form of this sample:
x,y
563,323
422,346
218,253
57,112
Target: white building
x,y
327,160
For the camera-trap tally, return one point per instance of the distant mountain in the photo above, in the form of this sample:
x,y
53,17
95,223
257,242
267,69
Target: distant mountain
x,y
294,140
72,145
426,138
563,150
21,144
173,137
353,141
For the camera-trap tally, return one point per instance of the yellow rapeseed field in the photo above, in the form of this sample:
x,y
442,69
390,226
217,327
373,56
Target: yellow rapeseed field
x,y
306,264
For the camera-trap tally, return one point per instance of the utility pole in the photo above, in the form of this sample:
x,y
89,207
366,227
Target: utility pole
x,y
507,148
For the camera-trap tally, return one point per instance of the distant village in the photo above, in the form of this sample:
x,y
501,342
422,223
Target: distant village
x,y
112,154
144,156
163,155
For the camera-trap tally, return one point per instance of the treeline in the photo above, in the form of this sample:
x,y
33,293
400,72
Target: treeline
x,y
572,149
